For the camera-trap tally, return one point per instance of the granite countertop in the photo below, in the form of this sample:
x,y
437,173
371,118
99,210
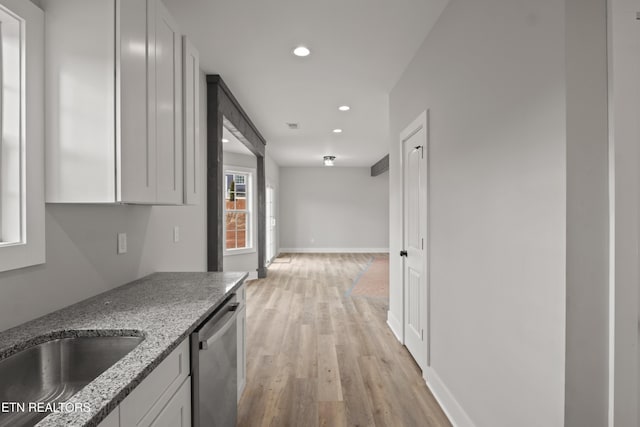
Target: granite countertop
x,y
163,307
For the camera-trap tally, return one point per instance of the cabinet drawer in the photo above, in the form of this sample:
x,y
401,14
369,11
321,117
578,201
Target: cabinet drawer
x,y
112,420
146,401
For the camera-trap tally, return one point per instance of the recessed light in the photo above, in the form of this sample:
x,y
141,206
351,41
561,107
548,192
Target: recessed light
x,y
328,160
225,140
301,51
344,108
337,131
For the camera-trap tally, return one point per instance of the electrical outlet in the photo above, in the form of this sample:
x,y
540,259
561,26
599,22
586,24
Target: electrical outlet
x,y
122,243
176,234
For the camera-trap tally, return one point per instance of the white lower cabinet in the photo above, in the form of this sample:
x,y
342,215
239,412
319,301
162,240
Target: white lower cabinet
x,y
176,413
161,399
242,340
112,420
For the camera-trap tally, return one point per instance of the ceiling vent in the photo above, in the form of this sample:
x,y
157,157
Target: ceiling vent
x,y
292,126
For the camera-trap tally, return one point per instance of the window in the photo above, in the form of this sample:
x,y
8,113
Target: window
x,y
12,142
22,228
238,218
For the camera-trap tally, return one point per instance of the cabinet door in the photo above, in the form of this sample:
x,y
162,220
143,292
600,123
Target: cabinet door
x,y
148,399
191,122
168,106
112,420
177,413
135,94
242,350
79,100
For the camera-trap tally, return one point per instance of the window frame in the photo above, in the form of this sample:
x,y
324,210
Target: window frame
x,y
30,249
251,223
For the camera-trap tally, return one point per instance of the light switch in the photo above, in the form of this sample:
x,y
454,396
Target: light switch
x,y
176,234
122,243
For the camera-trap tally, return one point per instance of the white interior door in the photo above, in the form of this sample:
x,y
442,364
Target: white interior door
x,y
414,164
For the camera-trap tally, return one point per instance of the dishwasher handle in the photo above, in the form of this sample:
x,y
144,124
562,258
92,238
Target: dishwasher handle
x,y
226,323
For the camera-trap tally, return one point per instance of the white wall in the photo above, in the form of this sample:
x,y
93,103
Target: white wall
x,y
81,243
492,74
190,252
333,209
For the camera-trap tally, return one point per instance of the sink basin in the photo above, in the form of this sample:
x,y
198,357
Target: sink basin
x,y
55,370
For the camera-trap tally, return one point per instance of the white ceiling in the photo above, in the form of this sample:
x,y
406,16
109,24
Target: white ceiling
x,y
234,145
359,49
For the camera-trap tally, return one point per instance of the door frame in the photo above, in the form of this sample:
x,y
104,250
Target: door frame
x,y
421,122
223,106
272,189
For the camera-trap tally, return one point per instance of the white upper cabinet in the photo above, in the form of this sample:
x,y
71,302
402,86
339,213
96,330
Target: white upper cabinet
x,y
114,102
191,123
135,120
168,103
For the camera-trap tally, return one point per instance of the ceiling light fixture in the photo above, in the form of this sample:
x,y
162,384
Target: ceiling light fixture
x,y
344,108
225,140
337,131
301,51
328,160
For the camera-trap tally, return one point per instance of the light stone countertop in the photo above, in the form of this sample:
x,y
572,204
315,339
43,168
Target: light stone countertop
x,y
163,307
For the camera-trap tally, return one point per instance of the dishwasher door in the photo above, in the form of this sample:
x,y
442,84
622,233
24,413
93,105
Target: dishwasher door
x,y
215,380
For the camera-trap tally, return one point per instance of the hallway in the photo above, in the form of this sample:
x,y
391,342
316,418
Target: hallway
x,y
319,358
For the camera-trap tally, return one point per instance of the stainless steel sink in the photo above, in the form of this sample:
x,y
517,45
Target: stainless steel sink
x,y
54,371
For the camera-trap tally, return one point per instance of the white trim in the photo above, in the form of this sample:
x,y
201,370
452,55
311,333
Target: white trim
x,y
395,325
241,251
623,213
451,407
31,250
239,169
334,250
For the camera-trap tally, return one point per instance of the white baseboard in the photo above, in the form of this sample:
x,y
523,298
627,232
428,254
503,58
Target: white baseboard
x,y
334,250
395,325
252,275
452,409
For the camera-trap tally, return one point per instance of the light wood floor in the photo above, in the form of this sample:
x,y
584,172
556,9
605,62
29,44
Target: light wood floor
x,y
318,358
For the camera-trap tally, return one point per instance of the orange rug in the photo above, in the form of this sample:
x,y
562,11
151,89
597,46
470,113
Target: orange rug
x,y
374,280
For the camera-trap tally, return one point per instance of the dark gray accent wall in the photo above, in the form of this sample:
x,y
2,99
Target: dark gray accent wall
x,y
381,166
221,104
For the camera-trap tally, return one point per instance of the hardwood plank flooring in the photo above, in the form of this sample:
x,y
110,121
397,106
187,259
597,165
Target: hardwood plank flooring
x,y
316,357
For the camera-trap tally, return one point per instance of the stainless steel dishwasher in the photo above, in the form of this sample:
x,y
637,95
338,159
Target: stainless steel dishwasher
x,y
214,368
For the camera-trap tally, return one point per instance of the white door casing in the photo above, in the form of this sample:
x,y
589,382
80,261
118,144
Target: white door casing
x,y
415,274
271,225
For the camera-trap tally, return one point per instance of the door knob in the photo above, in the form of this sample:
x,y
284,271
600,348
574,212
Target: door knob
x,y
403,253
